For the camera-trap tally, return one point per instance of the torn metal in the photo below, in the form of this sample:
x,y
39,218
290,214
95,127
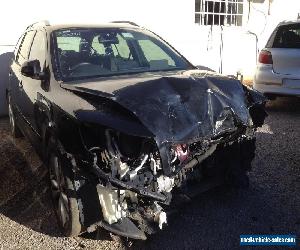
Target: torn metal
x,y
149,139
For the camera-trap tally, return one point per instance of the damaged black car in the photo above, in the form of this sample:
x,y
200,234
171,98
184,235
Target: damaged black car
x,y
127,126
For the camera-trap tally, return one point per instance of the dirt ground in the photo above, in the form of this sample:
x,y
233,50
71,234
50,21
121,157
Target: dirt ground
x,y
212,221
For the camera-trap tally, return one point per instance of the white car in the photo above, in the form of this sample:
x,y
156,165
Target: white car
x,y
278,67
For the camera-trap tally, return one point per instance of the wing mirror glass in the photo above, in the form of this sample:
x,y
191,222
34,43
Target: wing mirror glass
x,y
32,69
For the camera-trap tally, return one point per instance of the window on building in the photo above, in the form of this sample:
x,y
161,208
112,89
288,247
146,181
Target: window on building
x,y
219,12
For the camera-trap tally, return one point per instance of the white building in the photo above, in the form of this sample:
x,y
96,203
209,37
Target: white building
x,y
224,35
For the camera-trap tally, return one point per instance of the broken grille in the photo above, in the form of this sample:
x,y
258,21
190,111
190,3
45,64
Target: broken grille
x,y
219,12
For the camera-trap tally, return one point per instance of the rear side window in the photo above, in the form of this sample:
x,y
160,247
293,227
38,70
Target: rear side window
x,y
287,36
23,52
18,46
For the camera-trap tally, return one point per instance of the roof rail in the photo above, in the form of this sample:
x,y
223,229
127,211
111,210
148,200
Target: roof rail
x,y
37,24
126,22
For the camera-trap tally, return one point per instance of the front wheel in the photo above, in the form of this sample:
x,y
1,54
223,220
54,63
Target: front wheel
x,y
64,196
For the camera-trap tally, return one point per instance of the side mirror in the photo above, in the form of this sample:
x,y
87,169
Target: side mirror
x,y
32,69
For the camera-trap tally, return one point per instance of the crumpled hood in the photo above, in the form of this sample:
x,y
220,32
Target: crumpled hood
x,y
179,107
186,108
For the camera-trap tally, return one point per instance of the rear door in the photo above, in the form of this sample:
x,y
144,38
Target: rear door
x,y
14,75
285,49
16,78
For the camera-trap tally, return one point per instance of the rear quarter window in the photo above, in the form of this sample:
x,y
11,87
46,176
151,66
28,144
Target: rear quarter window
x,y
18,45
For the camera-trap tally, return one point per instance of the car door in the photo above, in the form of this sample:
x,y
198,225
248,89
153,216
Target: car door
x,y
15,77
32,88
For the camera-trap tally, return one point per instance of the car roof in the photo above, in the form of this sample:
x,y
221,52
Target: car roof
x,y
116,24
288,22
95,26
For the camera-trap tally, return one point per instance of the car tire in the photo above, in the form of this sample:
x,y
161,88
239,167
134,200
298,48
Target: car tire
x,y
63,195
14,129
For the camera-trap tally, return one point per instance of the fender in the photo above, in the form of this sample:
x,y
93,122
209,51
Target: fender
x,y
86,192
44,121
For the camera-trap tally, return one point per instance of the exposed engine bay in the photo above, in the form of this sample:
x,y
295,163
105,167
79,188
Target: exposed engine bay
x,y
132,183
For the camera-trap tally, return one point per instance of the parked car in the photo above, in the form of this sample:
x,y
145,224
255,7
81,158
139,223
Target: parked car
x,y
277,72
126,125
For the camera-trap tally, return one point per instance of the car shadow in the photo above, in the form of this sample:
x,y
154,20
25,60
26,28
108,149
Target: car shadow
x,y
24,192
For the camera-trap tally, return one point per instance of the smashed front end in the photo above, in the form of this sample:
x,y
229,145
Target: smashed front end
x,y
128,180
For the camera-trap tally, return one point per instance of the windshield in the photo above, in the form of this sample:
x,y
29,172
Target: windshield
x,y
86,53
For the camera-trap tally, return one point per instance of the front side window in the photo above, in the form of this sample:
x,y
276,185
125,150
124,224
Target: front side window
x,y
85,53
38,48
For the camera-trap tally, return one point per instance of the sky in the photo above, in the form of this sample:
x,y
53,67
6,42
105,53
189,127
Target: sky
x,y
16,15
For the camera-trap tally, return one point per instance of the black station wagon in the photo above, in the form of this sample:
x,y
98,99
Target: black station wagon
x,y
127,126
